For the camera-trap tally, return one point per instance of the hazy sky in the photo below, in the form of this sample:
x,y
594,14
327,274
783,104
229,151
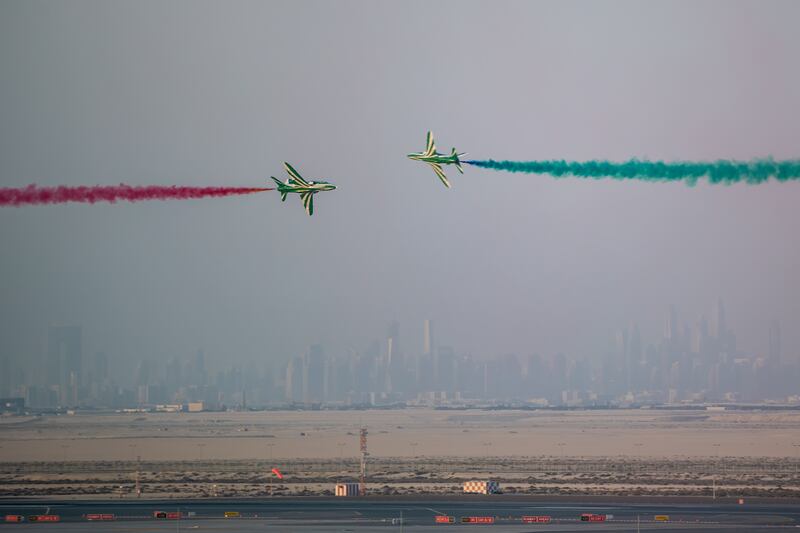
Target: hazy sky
x,y
221,93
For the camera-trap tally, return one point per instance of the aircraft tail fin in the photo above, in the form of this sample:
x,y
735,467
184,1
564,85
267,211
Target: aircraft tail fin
x,y
430,145
456,156
281,187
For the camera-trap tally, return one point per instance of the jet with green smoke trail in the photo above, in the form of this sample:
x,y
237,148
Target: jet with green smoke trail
x,y
436,160
306,189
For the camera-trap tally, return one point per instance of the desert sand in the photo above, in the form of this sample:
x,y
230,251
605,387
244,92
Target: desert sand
x,y
411,450
401,433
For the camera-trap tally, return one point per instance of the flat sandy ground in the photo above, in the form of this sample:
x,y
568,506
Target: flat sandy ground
x,y
620,452
402,433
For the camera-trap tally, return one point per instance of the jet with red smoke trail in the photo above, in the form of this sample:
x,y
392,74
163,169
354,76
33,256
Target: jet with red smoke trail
x,y
36,195
306,189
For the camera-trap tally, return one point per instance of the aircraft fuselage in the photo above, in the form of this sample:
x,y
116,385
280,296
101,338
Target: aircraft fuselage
x,y
440,159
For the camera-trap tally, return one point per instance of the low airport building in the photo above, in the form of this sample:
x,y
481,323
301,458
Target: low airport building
x,y
346,489
481,487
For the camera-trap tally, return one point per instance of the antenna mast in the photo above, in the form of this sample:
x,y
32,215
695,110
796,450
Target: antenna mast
x,y
362,482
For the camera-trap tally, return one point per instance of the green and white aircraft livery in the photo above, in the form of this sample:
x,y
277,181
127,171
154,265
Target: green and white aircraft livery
x,y
436,160
306,189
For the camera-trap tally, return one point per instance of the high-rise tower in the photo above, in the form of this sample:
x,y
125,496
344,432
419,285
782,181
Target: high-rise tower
x,y
427,338
671,324
64,353
294,380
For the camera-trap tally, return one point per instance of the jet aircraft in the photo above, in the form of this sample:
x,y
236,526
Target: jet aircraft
x,y
306,189
436,160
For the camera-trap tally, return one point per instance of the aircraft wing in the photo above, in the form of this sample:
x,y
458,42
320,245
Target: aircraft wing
x,y
439,172
308,201
430,146
294,174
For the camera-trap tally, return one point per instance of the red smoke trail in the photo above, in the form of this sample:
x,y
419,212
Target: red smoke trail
x,y
34,195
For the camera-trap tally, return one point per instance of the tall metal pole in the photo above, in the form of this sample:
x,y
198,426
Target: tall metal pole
x,y
362,482
714,475
138,475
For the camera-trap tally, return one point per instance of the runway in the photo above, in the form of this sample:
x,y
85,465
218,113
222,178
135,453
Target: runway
x,y
384,513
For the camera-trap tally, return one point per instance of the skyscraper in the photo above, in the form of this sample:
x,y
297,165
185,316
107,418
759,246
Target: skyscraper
x,y
622,364
394,365
699,337
393,332
427,338
671,325
634,356
5,376
63,371
387,364
425,368
294,379
197,369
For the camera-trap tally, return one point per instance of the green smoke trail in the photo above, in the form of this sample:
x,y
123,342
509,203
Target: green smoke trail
x,y
753,172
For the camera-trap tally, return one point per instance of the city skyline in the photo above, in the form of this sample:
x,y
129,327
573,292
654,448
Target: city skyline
x,y
697,361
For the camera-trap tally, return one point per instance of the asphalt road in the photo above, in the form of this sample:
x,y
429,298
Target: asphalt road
x,y
377,514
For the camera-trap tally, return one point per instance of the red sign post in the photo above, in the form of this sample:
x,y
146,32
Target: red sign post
x,y
536,519
477,520
44,518
98,516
